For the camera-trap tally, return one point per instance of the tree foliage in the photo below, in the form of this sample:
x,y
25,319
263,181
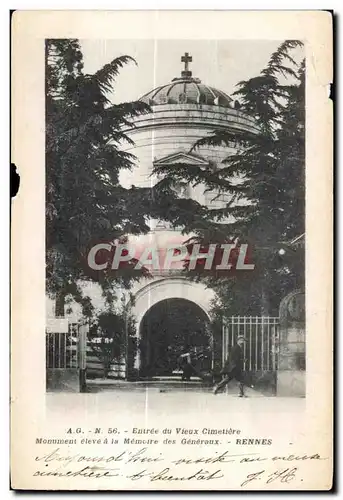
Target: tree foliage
x,y
265,185
264,180
85,203
112,337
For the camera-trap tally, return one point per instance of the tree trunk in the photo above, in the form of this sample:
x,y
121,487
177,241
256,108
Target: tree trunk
x,y
59,304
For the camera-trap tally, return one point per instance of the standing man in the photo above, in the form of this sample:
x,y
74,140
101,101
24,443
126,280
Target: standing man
x,y
233,368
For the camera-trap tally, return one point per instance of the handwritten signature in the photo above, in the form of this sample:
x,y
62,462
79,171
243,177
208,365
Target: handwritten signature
x,y
282,476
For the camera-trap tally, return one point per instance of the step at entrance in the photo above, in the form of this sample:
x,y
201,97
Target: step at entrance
x,y
159,383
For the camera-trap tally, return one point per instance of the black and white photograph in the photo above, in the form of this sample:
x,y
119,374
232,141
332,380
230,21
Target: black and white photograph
x,y
175,217
172,324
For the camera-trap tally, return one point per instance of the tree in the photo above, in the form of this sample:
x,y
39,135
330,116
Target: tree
x,y
85,202
265,183
107,339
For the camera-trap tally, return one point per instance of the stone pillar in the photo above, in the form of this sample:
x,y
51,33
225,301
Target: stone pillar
x,y
292,347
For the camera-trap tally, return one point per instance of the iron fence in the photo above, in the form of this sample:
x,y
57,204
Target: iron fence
x,y
261,346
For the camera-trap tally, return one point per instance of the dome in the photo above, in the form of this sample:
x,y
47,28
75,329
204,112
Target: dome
x,y
187,90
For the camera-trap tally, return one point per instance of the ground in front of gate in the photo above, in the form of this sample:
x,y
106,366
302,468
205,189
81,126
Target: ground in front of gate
x,y
138,399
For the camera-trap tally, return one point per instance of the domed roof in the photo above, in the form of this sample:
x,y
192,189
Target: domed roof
x,y
187,90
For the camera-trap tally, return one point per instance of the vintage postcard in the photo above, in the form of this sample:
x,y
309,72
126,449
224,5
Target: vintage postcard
x,y
171,292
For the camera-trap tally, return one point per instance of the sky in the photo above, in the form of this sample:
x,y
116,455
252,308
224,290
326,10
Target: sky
x,y
218,63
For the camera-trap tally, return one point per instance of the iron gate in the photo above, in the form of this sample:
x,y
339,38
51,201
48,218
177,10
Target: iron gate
x,y
65,345
261,346
67,348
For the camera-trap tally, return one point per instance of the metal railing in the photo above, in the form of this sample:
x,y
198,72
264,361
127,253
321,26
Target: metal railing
x,y
261,346
61,348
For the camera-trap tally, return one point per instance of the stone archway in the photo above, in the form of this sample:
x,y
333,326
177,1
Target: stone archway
x,y
164,289
170,328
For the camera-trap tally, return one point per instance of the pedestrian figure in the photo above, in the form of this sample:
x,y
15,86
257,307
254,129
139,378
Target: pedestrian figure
x,y
233,368
185,363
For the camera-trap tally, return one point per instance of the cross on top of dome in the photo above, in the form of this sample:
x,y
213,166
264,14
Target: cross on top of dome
x,y
186,59
187,89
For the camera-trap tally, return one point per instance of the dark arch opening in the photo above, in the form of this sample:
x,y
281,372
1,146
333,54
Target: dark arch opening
x,y
167,329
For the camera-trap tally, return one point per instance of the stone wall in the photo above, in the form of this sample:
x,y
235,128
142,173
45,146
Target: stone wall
x,y
291,378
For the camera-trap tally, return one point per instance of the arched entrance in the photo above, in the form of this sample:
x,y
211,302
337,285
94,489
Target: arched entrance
x,y
158,290
166,330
